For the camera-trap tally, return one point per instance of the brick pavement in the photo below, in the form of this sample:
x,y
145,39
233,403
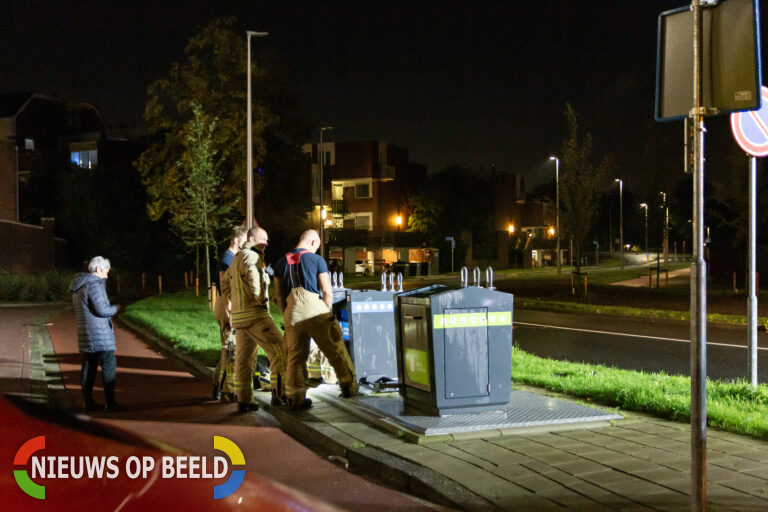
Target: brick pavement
x,y
639,463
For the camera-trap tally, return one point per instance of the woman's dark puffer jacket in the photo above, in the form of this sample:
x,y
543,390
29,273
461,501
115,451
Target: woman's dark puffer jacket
x,y
93,312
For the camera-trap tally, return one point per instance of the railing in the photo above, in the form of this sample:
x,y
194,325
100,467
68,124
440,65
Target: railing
x,y
337,206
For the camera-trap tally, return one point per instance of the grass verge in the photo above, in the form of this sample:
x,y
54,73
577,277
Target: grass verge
x,y
628,311
734,406
184,320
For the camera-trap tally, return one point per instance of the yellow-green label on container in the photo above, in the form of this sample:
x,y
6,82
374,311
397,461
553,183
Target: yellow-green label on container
x,y
417,366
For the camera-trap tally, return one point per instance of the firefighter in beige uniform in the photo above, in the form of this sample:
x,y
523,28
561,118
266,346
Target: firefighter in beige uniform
x,y
221,377
246,285
300,276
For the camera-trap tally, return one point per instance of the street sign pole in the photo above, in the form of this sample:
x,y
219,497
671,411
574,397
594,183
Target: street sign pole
x,y
698,288
752,269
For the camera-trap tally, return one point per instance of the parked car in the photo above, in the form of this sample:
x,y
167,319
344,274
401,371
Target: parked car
x,y
364,267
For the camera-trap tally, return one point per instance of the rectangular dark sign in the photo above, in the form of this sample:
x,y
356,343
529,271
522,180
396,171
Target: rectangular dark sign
x,y
731,72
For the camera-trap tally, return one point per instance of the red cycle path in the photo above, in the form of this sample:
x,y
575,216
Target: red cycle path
x,y
163,402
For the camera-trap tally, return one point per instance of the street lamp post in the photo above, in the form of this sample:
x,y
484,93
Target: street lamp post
x,y
322,222
557,208
645,206
621,219
249,157
666,230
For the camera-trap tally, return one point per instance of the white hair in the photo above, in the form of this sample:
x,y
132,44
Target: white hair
x,y
98,264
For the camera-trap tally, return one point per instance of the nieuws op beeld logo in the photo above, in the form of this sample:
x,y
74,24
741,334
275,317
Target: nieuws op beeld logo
x,y
99,467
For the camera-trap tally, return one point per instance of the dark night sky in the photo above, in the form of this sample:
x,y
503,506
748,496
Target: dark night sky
x,y
472,83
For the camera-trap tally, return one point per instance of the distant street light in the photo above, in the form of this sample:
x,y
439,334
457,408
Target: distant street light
x,y
399,221
249,158
322,208
557,206
621,219
645,206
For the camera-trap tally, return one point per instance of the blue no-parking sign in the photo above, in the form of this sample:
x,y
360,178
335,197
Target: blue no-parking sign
x,y
750,128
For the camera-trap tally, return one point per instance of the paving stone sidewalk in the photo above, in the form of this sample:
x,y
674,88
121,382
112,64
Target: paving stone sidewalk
x,y
639,463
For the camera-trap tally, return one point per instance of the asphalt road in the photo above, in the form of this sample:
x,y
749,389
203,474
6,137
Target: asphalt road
x,y
635,344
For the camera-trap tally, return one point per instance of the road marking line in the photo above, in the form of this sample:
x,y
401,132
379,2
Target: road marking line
x,y
632,335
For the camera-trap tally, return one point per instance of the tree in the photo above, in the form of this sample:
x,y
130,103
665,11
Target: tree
x,y
580,185
212,76
425,214
197,219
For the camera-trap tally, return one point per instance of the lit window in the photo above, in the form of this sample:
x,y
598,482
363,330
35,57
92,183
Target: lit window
x,y
362,191
29,144
85,159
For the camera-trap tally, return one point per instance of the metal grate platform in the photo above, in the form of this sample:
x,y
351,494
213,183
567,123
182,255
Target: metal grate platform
x,y
525,409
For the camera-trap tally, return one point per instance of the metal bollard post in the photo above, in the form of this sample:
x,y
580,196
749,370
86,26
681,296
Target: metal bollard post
x,y
213,296
159,285
197,287
585,284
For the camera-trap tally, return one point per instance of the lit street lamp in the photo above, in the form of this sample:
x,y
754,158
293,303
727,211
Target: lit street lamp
x,y
249,179
645,206
322,227
557,206
621,219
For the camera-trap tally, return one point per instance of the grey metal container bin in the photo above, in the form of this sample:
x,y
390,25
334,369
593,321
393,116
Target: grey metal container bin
x,y
369,322
372,346
454,347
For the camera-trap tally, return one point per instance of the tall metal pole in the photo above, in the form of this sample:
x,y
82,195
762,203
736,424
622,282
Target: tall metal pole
x,y
698,288
322,221
557,209
751,271
621,220
249,152
666,231
645,206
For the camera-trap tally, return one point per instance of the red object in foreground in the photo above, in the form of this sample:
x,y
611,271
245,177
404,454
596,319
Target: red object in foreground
x,y
67,438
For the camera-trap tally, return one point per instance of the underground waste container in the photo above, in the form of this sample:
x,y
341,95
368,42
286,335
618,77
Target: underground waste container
x,y
454,347
369,319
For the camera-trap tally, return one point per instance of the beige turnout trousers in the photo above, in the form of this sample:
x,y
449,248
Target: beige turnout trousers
x,y
263,332
225,329
307,316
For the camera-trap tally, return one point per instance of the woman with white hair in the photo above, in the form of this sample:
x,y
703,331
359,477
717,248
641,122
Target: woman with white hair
x,y
95,334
